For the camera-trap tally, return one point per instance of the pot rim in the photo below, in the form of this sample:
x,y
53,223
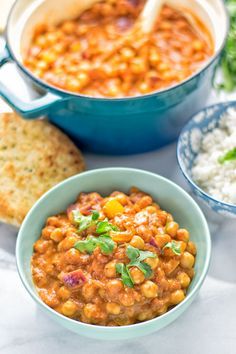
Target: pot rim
x,y
48,87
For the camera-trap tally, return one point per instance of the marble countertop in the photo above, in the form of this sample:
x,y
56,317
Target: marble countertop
x,y
207,327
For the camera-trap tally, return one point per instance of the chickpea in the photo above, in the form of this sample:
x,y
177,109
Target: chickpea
x,y
162,310
75,46
114,286
126,299
162,240
137,242
113,308
153,262
154,57
149,289
64,293
138,66
57,235
163,67
67,243
46,232
182,235
145,315
83,79
187,260
41,246
48,56
69,308
190,272
89,291
144,232
169,218
184,279
171,265
42,65
176,297
110,269
136,275
94,312
68,27
39,277
172,228
127,53
49,297
191,248
122,198
72,256
144,201
183,246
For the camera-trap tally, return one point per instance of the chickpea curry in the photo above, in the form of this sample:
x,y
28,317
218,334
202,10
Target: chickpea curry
x,y
113,261
101,54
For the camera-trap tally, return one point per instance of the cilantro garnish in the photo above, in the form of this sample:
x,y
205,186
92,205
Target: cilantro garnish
x,y
125,275
104,242
229,156
85,221
104,226
174,246
136,260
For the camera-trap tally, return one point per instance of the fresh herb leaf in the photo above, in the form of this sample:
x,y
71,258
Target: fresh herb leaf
x,y
87,245
229,156
136,254
104,242
174,246
228,59
132,253
125,276
136,260
146,254
85,222
95,215
146,269
104,227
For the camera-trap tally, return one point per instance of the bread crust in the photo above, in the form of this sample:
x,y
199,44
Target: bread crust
x,y
34,156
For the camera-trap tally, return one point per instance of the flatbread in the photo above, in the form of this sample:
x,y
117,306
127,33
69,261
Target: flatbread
x,y
34,156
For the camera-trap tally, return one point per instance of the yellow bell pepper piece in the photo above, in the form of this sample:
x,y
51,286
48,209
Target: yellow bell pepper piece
x,y
113,208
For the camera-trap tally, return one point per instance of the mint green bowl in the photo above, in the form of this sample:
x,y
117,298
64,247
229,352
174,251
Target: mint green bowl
x,y
171,198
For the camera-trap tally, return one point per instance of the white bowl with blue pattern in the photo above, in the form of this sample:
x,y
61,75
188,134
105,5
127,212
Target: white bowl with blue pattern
x,y
188,147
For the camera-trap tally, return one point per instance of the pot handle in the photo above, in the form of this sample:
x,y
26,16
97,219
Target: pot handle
x,y
31,109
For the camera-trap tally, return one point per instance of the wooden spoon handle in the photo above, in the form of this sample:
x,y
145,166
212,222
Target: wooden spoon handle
x,y
149,14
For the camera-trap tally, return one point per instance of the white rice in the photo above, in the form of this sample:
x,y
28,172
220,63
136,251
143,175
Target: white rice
x,y
218,180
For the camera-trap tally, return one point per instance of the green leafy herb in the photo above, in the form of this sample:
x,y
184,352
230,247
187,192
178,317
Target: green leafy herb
x,y
229,156
104,242
104,227
228,60
85,222
125,276
87,245
136,260
174,246
137,257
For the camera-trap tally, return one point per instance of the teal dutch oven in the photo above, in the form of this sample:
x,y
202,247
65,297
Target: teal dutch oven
x,y
113,126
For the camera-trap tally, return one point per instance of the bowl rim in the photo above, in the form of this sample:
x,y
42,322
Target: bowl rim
x,y
225,106
48,87
117,329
